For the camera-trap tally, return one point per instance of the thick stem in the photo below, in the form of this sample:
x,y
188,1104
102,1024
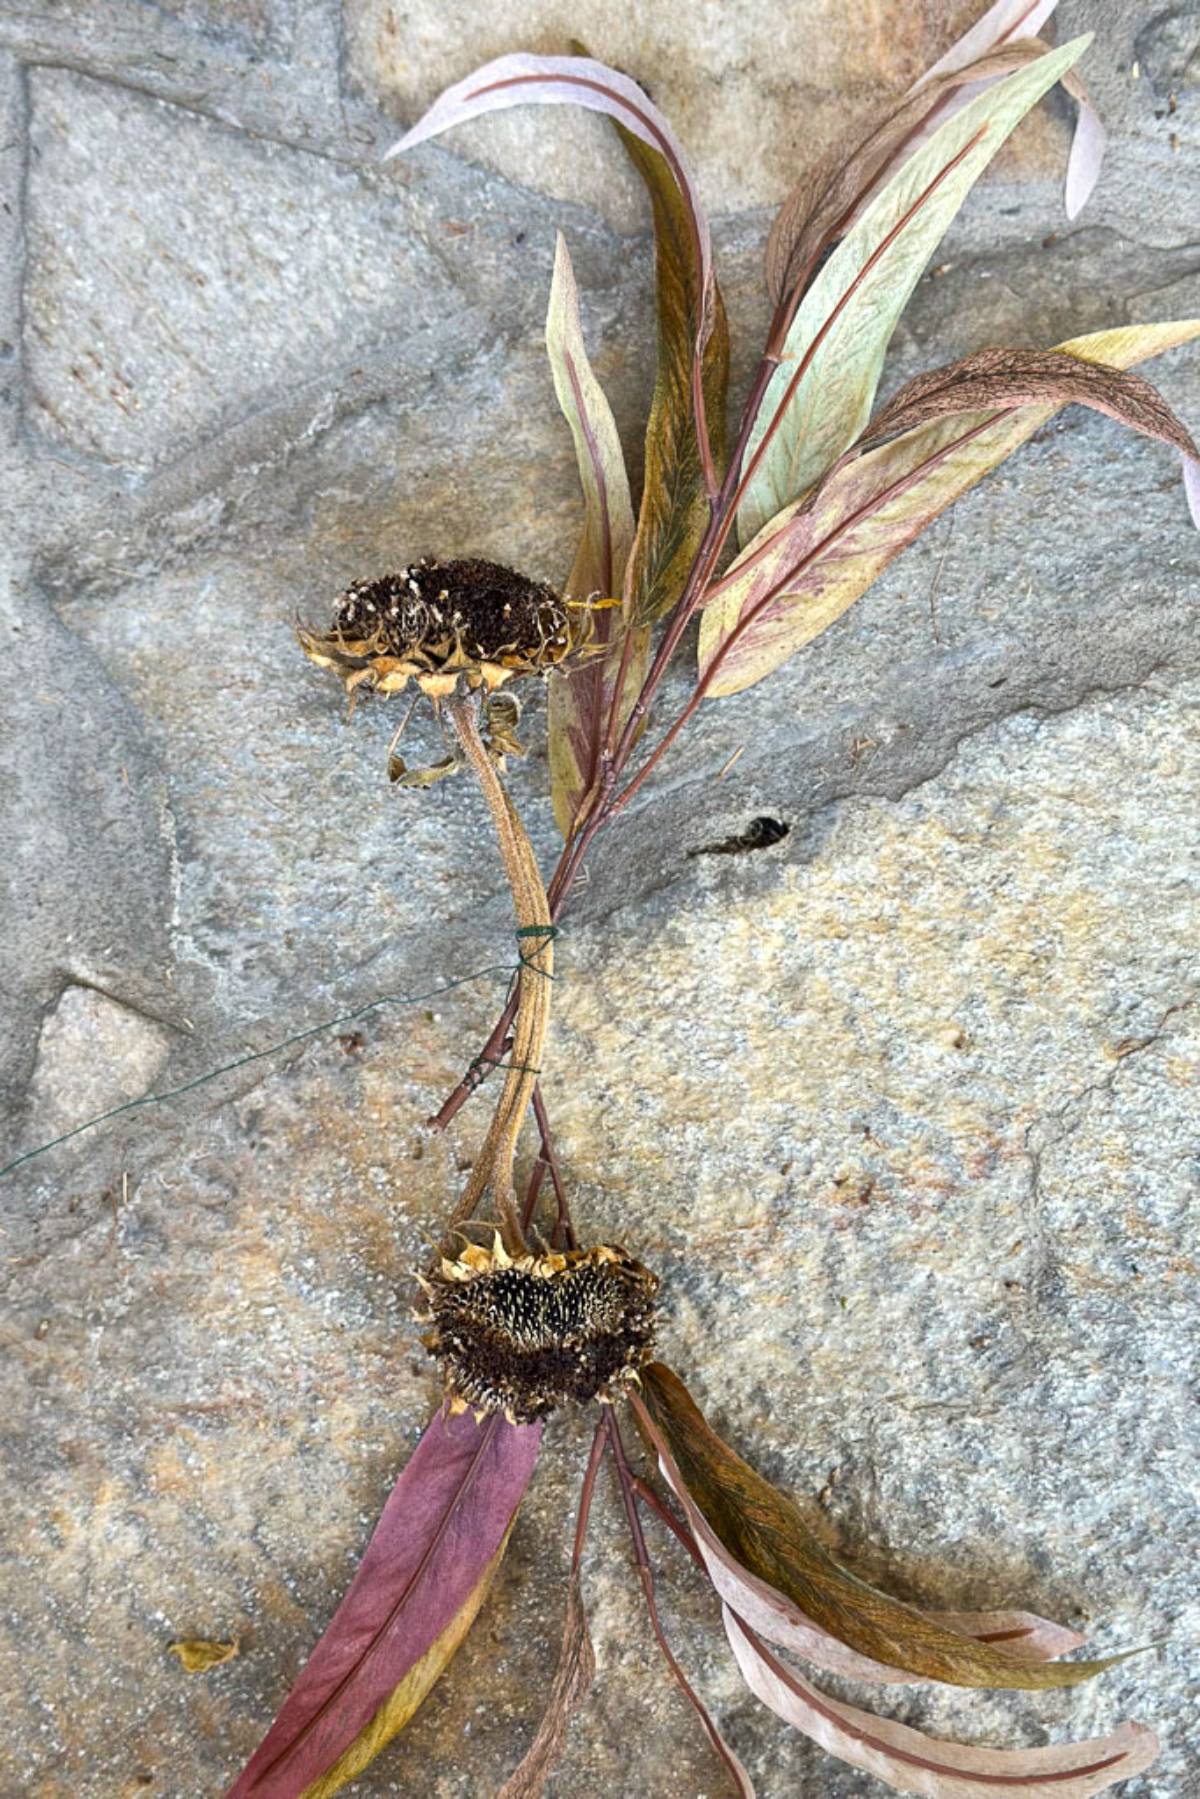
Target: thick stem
x,y
535,935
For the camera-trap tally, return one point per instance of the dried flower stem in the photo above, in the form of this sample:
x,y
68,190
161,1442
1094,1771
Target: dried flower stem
x,y
494,1164
604,804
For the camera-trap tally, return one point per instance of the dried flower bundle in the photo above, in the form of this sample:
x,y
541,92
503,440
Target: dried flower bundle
x,y
766,540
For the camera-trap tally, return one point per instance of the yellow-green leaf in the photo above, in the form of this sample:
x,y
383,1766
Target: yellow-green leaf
x,y
581,698
819,555
821,395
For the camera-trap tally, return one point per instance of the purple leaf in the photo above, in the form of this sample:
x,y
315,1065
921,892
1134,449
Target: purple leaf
x,y
444,1523
1001,24
524,80
910,1762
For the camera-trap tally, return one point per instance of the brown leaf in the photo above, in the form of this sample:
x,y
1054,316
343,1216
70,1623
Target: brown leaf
x,y
765,1609
815,558
572,1678
764,1530
1002,378
674,509
826,198
819,398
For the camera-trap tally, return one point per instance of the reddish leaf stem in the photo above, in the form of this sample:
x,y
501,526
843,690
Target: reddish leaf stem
x,y
625,1479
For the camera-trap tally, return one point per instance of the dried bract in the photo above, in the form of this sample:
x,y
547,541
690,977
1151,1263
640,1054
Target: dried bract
x,y
442,623
525,1336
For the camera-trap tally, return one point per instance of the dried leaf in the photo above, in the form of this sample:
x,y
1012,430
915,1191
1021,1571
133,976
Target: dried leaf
x,y
690,314
813,561
827,199
674,509
947,84
572,1678
910,1762
1002,23
607,508
820,397
580,700
197,1655
423,1577
411,1692
766,1535
1008,22
780,1620
1002,378
524,80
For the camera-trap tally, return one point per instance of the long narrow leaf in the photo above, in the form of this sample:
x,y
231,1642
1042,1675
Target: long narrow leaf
x,y
412,1691
1002,23
767,1537
813,561
821,395
689,308
580,700
1009,22
777,1617
523,80
1003,378
911,1762
828,198
423,1576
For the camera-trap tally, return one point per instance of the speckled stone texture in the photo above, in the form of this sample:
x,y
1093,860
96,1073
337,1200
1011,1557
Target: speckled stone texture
x,y
902,1106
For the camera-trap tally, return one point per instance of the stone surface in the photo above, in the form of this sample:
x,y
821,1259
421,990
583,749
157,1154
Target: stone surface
x,y
92,1054
901,1106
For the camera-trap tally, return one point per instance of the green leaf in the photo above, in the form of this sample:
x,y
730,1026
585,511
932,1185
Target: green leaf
x,y
814,560
674,510
821,395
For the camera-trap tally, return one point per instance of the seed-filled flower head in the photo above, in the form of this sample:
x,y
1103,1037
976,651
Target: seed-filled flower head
x,y
527,1335
439,623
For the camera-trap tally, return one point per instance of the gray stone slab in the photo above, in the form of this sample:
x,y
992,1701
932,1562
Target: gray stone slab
x,y
936,1270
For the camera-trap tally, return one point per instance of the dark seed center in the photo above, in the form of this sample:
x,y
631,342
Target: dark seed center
x,y
489,610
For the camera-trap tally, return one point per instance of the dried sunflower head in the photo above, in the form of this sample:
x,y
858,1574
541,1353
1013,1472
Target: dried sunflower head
x,y
524,1336
441,624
